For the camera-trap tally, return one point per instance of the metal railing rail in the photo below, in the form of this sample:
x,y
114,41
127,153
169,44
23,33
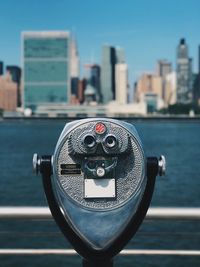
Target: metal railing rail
x,y
125,252
152,214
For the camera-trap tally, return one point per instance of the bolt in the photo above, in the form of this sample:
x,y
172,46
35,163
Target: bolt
x,y
36,163
161,165
100,172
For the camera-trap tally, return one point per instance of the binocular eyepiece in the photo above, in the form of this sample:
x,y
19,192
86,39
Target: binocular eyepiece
x,y
99,139
110,141
89,141
99,185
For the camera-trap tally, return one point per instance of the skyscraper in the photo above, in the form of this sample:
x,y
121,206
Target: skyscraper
x,y
196,85
184,74
15,73
149,89
74,68
198,98
163,69
95,81
120,55
8,93
121,71
199,59
170,86
108,73
46,64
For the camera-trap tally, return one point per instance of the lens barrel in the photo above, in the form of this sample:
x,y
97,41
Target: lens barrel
x,y
89,141
110,141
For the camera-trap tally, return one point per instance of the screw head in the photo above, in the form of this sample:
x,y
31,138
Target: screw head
x,y
100,172
162,165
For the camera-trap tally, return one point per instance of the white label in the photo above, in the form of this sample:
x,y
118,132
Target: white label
x,y
99,188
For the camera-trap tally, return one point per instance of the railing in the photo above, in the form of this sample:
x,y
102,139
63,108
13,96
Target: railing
x,y
152,214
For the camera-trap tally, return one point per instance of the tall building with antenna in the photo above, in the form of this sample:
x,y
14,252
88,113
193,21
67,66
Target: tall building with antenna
x,y
184,74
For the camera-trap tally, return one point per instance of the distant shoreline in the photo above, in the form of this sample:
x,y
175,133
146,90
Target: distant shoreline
x,y
137,118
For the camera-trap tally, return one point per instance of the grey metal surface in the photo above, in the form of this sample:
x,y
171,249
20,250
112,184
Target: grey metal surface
x,y
99,221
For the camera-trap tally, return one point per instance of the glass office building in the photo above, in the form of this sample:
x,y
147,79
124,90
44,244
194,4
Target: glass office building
x,y
108,73
45,59
110,57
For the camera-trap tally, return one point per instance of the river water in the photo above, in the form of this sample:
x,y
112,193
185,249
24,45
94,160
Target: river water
x,y
179,141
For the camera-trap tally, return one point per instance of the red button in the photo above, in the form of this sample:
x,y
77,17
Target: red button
x,y
100,128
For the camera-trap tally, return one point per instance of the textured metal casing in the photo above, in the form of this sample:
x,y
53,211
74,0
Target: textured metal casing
x,y
100,220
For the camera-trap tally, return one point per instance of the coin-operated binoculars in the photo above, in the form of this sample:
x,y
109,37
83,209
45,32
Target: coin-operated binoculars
x,y
98,185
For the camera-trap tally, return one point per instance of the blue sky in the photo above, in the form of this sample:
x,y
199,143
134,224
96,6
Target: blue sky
x,y
148,30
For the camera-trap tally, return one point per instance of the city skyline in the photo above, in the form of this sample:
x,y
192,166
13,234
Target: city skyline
x,y
144,37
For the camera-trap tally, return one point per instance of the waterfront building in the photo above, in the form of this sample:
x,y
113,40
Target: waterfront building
x,y
89,94
74,69
148,83
199,61
74,87
110,57
108,73
1,68
184,74
142,86
46,65
8,93
157,86
163,69
92,74
81,89
149,90
15,73
75,62
196,84
113,109
196,88
151,100
121,81
197,98
95,76
170,87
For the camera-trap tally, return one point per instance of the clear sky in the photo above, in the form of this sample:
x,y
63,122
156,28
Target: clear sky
x,y
148,30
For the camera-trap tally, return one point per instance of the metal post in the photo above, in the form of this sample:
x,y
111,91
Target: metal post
x,y
99,263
